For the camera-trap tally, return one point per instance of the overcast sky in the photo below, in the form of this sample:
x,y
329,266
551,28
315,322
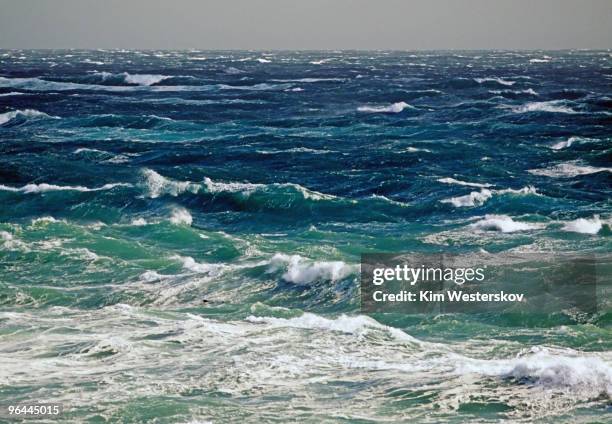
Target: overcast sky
x,y
306,24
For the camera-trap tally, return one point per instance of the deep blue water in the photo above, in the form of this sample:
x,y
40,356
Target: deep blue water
x,y
135,184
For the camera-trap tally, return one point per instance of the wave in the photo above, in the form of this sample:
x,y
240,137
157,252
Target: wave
x,y
394,108
568,143
256,87
320,62
44,187
295,150
181,216
548,369
38,84
24,114
568,170
310,80
495,80
584,225
552,106
276,195
299,270
158,185
262,60
477,198
529,91
463,183
12,93
502,223
190,264
137,79
358,325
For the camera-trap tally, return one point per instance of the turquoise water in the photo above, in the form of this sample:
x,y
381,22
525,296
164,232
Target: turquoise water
x,y
181,232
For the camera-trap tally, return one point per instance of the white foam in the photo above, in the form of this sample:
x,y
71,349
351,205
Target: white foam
x,y
139,222
473,199
44,187
143,79
394,108
549,370
158,185
529,91
12,93
299,270
497,80
150,276
319,62
190,264
477,198
262,60
358,325
463,183
568,143
502,223
568,169
26,113
249,188
181,216
552,106
535,60
411,149
44,220
584,225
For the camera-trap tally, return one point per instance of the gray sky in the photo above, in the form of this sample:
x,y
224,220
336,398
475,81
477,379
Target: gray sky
x,y
306,24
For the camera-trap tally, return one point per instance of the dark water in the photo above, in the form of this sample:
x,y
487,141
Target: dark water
x,y
136,184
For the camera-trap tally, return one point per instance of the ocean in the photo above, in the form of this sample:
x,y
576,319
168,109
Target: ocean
x,y
181,232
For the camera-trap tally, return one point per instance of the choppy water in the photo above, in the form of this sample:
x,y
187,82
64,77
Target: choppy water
x,y
137,184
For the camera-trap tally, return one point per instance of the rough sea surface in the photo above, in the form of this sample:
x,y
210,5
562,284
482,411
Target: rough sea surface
x,y
180,232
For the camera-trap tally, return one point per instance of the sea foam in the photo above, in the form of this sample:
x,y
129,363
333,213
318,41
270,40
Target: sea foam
x,y
502,223
26,113
553,106
568,170
584,225
299,270
394,108
477,198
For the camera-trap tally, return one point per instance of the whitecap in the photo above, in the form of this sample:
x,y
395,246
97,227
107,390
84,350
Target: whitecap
x,y
394,108
497,80
477,198
26,113
158,185
568,169
502,223
143,79
548,369
463,183
552,106
358,325
584,225
568,143
299,270
44,187
181,216
190,264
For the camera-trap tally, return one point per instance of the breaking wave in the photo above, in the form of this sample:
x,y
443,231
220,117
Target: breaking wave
x,y
299,270
552,106
568,170
502,223
24,114
477,198
394,108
